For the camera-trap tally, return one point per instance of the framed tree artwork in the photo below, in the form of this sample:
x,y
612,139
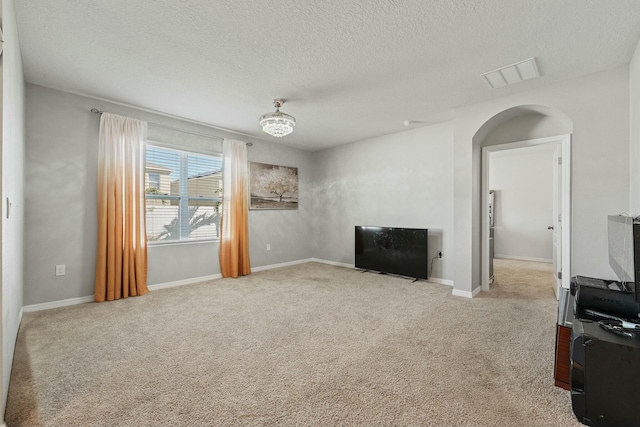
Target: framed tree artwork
x,y
273,186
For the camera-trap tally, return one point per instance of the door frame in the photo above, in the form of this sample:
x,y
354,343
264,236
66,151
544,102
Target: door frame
x,y
565,143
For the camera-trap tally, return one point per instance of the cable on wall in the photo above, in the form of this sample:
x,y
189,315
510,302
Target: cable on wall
x,y
431,269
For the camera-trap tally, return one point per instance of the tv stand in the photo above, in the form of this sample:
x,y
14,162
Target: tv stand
x,y
601,368
605,375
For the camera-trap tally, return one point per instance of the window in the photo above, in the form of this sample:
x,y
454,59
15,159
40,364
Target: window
x,y
183,192
154,181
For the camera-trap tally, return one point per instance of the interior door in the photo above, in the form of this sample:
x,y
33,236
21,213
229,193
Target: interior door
x,y
556,225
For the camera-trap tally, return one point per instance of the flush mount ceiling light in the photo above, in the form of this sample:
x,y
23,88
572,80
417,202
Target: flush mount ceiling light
x,y
277,124
514,73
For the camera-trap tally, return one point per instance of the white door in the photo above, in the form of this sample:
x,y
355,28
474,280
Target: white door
x,y
556,223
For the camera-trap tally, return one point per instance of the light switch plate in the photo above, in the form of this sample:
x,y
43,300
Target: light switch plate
x,y
60,270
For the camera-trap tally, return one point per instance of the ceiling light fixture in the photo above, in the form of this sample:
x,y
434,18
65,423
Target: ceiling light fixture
x,y
277,124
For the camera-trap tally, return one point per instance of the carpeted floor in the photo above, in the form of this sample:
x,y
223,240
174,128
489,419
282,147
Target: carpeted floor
x,y
305,345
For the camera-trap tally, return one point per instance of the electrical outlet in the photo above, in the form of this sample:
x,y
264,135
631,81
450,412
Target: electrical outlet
x,y
60,270
440,255
268,246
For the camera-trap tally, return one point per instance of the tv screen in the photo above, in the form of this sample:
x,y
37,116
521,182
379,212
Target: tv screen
x,y
401,251
624,250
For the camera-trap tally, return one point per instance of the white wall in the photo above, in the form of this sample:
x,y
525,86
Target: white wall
x,y
61,167
399,180
597,105
13,146
523,183
634,133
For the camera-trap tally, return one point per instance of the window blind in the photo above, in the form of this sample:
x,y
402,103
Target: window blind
x,y
183,192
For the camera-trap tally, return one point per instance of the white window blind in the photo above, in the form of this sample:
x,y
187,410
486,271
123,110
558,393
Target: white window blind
x,y
183,192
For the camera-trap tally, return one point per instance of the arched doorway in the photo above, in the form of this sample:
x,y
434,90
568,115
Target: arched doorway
x,y
516,127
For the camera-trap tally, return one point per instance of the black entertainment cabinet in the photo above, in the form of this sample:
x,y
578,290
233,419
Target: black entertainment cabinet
x,y
605,376
601,368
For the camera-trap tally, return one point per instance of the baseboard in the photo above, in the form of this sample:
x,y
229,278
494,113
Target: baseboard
x,y
523,258
82,300
183,282
345,265
219,276
282,264
19,322
337,264
466,294
56,304
440,281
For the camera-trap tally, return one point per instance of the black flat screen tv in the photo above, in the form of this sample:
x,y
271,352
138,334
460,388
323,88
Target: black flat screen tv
x,y
624,251
401,251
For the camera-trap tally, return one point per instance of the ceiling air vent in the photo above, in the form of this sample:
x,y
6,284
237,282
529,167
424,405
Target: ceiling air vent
x,y
514,73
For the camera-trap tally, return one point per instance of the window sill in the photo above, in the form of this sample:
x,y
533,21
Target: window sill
x,y
181,242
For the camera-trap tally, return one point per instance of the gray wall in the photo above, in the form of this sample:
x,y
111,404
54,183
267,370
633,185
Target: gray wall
x,y
289,232
399,180
427,177
634,133
523,183
598,107
62,143
525,127
13,143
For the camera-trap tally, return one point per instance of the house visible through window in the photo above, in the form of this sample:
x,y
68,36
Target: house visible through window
x,y
183,192
154,181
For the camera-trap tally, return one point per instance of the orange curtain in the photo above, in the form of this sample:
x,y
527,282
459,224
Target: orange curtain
x,y
121,266
234,239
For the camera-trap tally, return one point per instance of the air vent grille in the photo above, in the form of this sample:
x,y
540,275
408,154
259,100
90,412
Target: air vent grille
x,y
514,73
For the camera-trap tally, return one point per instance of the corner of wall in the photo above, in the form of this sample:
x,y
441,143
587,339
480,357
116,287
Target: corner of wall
x,y
634,132
13,160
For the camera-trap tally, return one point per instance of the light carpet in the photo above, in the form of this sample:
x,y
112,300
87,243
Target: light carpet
x,y
311,345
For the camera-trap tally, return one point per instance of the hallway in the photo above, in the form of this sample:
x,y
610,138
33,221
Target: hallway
x,y
523,279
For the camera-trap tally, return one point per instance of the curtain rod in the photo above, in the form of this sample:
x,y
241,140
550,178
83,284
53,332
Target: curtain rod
x,y
158,125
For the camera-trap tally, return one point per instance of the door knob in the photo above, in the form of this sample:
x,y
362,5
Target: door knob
x,y
551,227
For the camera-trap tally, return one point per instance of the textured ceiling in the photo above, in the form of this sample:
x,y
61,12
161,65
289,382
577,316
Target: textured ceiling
x,y
349,69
